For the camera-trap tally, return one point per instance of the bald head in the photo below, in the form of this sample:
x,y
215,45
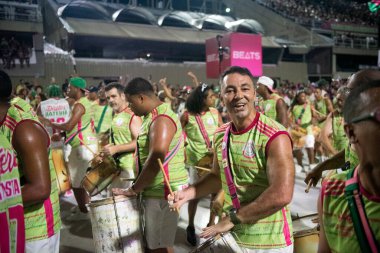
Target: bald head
x,y
363,77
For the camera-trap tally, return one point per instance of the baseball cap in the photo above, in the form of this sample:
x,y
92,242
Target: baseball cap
x,y
266,81
78,82
93,89
54,91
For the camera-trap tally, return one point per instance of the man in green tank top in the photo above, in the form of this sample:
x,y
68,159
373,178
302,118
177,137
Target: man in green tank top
x,y
253,164
346,229
30,141
346,157
124,131
160,138
273,105
80,135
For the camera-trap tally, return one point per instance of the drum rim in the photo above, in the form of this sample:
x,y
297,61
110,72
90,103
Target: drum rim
x,y
110,200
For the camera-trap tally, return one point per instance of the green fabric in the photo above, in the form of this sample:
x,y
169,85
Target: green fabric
x,y
54,91
97,111
78,82
305,118
122,135
35,215
177,173
320,106
196,145
10,199
87,134
340,140
248,165
339,229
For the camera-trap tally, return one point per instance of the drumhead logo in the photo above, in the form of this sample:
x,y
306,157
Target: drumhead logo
x,y
249,149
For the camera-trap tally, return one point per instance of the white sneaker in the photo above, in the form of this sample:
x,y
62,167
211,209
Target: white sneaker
x,y
78,216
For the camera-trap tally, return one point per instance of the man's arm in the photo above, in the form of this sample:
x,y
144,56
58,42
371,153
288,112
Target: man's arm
x,y
30,141
323,246
134,127
326,133
161,134
282,113
329,105
280,172
76,115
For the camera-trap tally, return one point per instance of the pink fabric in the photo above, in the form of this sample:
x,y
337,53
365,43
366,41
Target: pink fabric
x,y
49,217
286,230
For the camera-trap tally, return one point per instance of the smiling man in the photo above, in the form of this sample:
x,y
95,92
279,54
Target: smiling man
x,y
254,166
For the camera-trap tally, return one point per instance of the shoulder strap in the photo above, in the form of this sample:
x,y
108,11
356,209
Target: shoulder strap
x,y
101,119
363,231
227,169
203,130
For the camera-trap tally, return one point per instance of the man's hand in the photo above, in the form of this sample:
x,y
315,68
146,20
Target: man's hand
x,y
223,226
177,199
162,81
315,174
109,150
126,192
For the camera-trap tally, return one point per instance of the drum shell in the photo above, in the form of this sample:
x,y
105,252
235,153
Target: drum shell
x,y
60,166
205,162
116,225
100,176
306,234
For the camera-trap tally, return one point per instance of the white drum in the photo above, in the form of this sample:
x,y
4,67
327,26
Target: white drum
x,y
116,225
222,243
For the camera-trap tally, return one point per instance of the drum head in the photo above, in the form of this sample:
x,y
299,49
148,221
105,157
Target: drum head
x,y
306,225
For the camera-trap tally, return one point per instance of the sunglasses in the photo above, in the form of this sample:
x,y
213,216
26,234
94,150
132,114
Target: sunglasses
x,y
372,116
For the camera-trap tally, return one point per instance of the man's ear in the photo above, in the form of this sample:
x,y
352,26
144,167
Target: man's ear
x,y
350,133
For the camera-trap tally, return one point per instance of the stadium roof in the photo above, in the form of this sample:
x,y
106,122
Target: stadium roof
x,y
88,27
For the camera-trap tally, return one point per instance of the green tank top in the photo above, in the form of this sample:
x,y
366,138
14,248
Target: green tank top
x,y
302,116
176,172
12,221
320,106
196,146
84,129
340,140
339,229
42,220
121,134
107,118
350,157
247,156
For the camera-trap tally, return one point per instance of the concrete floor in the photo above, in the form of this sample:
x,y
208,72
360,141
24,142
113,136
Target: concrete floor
x,y
76,237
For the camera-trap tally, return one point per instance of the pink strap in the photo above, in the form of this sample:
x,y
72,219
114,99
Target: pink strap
x,y
227,170
363,218
203,130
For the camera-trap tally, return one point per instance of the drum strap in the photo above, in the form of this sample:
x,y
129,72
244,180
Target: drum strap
x,y
354,198
227,169
72,136
97,129
203,130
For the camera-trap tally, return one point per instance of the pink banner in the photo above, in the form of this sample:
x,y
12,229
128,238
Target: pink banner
x,y
239,49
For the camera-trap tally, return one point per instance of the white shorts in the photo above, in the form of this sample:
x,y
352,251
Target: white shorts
x,y
288,249
193,174
309,141
49,245
160,223
78,163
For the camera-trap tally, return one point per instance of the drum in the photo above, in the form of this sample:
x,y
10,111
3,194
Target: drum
x,y
63,178
306,234
100,175
205,162
116,225
222,243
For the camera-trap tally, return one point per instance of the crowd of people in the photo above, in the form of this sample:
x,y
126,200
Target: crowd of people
x,y
316,12
11,49
238,141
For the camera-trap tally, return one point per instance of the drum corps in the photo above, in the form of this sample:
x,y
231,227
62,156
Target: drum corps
x,y
133,156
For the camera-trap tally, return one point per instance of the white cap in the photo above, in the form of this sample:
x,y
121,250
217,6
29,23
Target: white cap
x,y
267,81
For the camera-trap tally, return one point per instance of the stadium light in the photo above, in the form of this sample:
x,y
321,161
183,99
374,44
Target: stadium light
x,y
228,10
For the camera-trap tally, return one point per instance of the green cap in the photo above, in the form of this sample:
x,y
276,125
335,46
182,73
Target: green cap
x,y
78,82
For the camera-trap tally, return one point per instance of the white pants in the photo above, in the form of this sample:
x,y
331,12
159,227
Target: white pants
x,y
49,245
160,223
78,163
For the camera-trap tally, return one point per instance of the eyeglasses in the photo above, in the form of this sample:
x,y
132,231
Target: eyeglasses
x,y
372,116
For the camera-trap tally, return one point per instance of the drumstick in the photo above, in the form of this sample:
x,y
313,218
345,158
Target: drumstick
x,y
166,179
308,186
202,168
127,179
87,147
